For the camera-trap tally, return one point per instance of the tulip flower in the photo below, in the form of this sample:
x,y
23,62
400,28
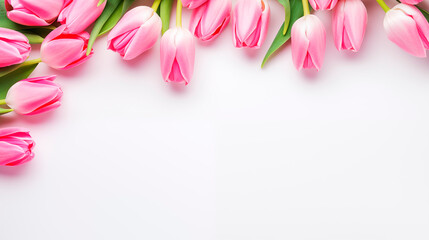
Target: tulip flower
x,y
136,32
16,146
14,47
77,15
308,42
34,95
250,23
33,12
411,2
177,55
193,3
349,20
209,20
323,4
406,26
62,50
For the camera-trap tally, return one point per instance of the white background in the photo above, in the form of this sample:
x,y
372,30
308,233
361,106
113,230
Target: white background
x,y
240,153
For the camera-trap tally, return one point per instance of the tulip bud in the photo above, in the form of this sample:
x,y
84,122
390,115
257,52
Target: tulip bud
x,y
62,50
411,2
16,146
250,23
308,42
33,12
193,3
323,4
77,15
34,95
406,26
349,20
209,20
177,55
14,47
136,32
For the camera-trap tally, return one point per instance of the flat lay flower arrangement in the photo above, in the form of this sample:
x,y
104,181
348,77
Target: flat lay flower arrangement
x,y
61,27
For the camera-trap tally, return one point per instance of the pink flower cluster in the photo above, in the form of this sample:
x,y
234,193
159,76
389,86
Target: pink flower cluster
x,y
138,31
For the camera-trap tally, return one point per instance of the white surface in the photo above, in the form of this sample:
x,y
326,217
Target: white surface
x,y
240,153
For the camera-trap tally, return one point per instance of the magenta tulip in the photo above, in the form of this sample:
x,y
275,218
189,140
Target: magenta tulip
x,y
323,4
62,50
77,15
209,20
250,23
33,12
135,33
349,20
406,26
411,2
34,95
16,146
193,3
177,55
14,47
308,42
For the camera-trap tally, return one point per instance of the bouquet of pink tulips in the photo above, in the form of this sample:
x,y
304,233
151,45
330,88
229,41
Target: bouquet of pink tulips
x,y
61,26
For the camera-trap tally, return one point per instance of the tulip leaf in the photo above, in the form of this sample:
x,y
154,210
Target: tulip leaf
x,y
111,6
280,39
165,11
18,74
115,17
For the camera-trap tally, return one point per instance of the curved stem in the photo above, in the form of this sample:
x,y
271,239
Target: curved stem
x,y
383,5
179,14
155,5
305,7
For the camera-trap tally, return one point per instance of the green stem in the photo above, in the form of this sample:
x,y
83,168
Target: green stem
x,y
30,62
179,14
2,101
305,7
12,68
155,5
383,5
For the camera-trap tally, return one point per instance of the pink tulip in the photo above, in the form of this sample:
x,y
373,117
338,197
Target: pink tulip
x,y
62,50
16,146
349,20
308,42
77,15
209,20
34,95
14,47
408,28
177,55
250,23
323,4
33,12
136,32
411,2
193,3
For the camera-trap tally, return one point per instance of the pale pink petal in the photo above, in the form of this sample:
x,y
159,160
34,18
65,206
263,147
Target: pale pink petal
x,y
300,43
168,52
402,30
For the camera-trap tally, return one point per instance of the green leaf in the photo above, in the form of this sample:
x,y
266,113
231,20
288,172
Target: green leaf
x,y
280,39
6,81
5,110
111,6
116,16
165,10
33,38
